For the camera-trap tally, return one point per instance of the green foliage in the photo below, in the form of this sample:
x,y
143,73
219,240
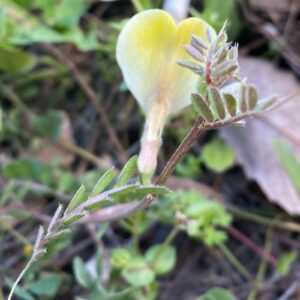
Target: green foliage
x,y
288,160
83,277
138,273
16,61
29,168
120,258
47,286
217,156
79,197
48,125
161,259
190,167
59,23
217,294
285,263
103,182
128,171
200,217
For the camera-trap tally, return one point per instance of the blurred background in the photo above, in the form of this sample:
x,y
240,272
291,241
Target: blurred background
x,y
66,116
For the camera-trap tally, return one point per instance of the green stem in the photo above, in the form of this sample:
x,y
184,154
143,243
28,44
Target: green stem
x,y
166,243
284,225
234,261
262,268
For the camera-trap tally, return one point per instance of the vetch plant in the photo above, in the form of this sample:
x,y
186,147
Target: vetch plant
x,y
166,67
148,49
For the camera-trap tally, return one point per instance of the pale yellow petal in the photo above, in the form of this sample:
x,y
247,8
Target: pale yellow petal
x,y
183,81
142,52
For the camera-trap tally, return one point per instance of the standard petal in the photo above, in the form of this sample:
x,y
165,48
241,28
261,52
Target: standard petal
x,y
183,82
142,53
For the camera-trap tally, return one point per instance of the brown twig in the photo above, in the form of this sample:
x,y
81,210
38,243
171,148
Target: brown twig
x,y
179,153
88,90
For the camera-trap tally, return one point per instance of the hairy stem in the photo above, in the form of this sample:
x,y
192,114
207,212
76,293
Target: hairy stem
x,y
181,151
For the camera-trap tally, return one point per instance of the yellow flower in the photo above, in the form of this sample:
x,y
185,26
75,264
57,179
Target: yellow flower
x,y
148,49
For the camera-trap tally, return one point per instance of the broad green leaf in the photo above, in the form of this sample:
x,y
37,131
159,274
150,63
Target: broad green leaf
x,y
217,156
288,160
138,273
103,182
128,171
83,277
202,108
217,294
78,198
16,61
285,262
164,262
47,285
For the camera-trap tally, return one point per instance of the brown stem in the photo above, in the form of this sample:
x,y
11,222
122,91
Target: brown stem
x,y
180,152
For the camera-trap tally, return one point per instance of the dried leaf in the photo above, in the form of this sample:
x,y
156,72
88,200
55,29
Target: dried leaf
x,y
253,144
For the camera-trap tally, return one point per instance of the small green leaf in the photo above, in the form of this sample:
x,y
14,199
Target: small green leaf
x,y
153,189
73,218
164,262
202,108
79,197
138,273
103,182
83,277
128,171
285,262
218,102
230,104
217,156
120,258
243,101
252,97
126,189
98,204
217,294
47,285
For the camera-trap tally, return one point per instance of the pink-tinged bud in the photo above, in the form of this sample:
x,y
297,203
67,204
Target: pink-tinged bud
x,y
147,160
